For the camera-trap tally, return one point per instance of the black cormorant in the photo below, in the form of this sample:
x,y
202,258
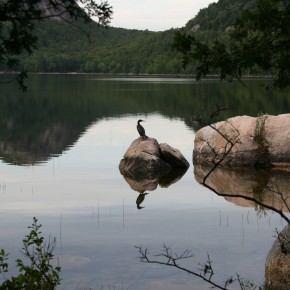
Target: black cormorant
x,y
140,199
140,129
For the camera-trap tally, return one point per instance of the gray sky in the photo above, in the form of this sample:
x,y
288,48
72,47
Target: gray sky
x,y
155,15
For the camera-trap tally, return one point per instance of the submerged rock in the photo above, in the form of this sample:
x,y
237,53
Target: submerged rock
x,y
245,141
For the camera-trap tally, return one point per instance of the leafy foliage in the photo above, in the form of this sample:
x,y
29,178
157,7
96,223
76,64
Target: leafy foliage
x,y
114,50
19,19
259,41
39,274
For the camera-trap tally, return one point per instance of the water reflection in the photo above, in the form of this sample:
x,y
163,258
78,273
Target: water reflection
x,y
151,181
29,147
249,187
58,109
80,199
264,190
140,199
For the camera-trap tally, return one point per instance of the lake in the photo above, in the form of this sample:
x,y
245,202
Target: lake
x,y
60,147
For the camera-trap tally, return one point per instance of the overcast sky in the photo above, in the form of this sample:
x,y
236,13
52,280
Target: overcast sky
x,y
155,15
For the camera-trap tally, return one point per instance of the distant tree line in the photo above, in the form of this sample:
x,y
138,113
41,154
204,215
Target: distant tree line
x,y
63,48
91,48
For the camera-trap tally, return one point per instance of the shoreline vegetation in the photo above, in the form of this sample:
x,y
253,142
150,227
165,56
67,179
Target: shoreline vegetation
x,y
191,76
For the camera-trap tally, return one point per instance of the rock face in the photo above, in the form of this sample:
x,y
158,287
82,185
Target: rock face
x,y
173,156
145,157
245,141
58,12
277,271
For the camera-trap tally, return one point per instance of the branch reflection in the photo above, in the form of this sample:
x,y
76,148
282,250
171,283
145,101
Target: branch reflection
x,y
249,187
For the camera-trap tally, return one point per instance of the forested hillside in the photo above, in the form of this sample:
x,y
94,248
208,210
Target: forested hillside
x,y
92,48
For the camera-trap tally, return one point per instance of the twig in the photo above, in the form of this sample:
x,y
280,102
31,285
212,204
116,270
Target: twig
x,y
171,260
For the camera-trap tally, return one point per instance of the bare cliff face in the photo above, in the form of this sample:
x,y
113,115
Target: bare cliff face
x,y
58,12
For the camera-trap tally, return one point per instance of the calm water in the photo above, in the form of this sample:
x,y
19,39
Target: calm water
x,y
60,147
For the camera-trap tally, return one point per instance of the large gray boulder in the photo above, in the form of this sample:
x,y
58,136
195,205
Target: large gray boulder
x,y
245,141
146,158
277,270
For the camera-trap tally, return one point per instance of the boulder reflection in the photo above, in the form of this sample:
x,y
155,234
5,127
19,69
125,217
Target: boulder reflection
x,y
262,189
248,187
149,182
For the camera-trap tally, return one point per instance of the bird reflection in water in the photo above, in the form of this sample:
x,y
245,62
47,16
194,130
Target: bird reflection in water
x,y
140,199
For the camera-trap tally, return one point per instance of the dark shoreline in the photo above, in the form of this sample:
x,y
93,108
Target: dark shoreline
x,y
190,76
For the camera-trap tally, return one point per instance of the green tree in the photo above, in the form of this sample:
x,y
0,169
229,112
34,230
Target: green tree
x,y
259,41
19,19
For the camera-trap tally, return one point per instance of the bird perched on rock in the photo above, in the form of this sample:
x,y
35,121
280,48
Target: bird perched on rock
x,y
140,129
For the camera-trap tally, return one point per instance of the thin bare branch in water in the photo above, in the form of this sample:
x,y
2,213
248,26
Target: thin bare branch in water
x,y
207,268
279,192
168,258
280,212
230,143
